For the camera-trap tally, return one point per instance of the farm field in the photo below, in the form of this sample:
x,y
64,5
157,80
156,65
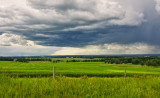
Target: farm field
x,y
75,69
77,80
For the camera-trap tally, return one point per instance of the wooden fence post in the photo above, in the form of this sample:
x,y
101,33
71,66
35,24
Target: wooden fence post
x,y
53,72
125,74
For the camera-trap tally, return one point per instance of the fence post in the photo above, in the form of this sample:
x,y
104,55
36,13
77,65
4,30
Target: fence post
x,y
125,74
53,72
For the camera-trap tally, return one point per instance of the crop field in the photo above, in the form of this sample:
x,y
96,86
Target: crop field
x,y
75,69
77,80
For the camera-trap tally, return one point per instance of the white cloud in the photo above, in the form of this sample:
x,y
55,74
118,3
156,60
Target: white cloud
x,y
82,12
130,18
157,5
7,39
40,14
16,45
137,48
36,50
49,36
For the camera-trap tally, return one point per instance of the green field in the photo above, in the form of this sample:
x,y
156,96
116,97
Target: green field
x,y
75,69
33,80
83,87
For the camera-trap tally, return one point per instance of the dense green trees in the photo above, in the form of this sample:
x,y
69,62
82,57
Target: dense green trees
x,y
154,62
136,61
142,60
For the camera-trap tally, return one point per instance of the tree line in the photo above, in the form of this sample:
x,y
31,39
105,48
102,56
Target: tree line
x,y
23,59
149,61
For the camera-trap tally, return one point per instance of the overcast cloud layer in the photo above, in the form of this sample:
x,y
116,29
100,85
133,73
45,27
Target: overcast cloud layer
x,y
80,26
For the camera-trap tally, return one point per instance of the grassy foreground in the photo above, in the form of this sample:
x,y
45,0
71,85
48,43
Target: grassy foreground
x,y
83,87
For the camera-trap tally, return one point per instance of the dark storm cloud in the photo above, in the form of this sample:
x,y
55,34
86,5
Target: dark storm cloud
x,y
79,23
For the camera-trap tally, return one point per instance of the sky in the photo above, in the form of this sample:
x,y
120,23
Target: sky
x,y
79,27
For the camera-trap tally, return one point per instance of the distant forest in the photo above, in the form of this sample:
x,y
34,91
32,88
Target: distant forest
x,y
137,60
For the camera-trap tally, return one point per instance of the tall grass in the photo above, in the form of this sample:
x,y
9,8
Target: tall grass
x,y
83,87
